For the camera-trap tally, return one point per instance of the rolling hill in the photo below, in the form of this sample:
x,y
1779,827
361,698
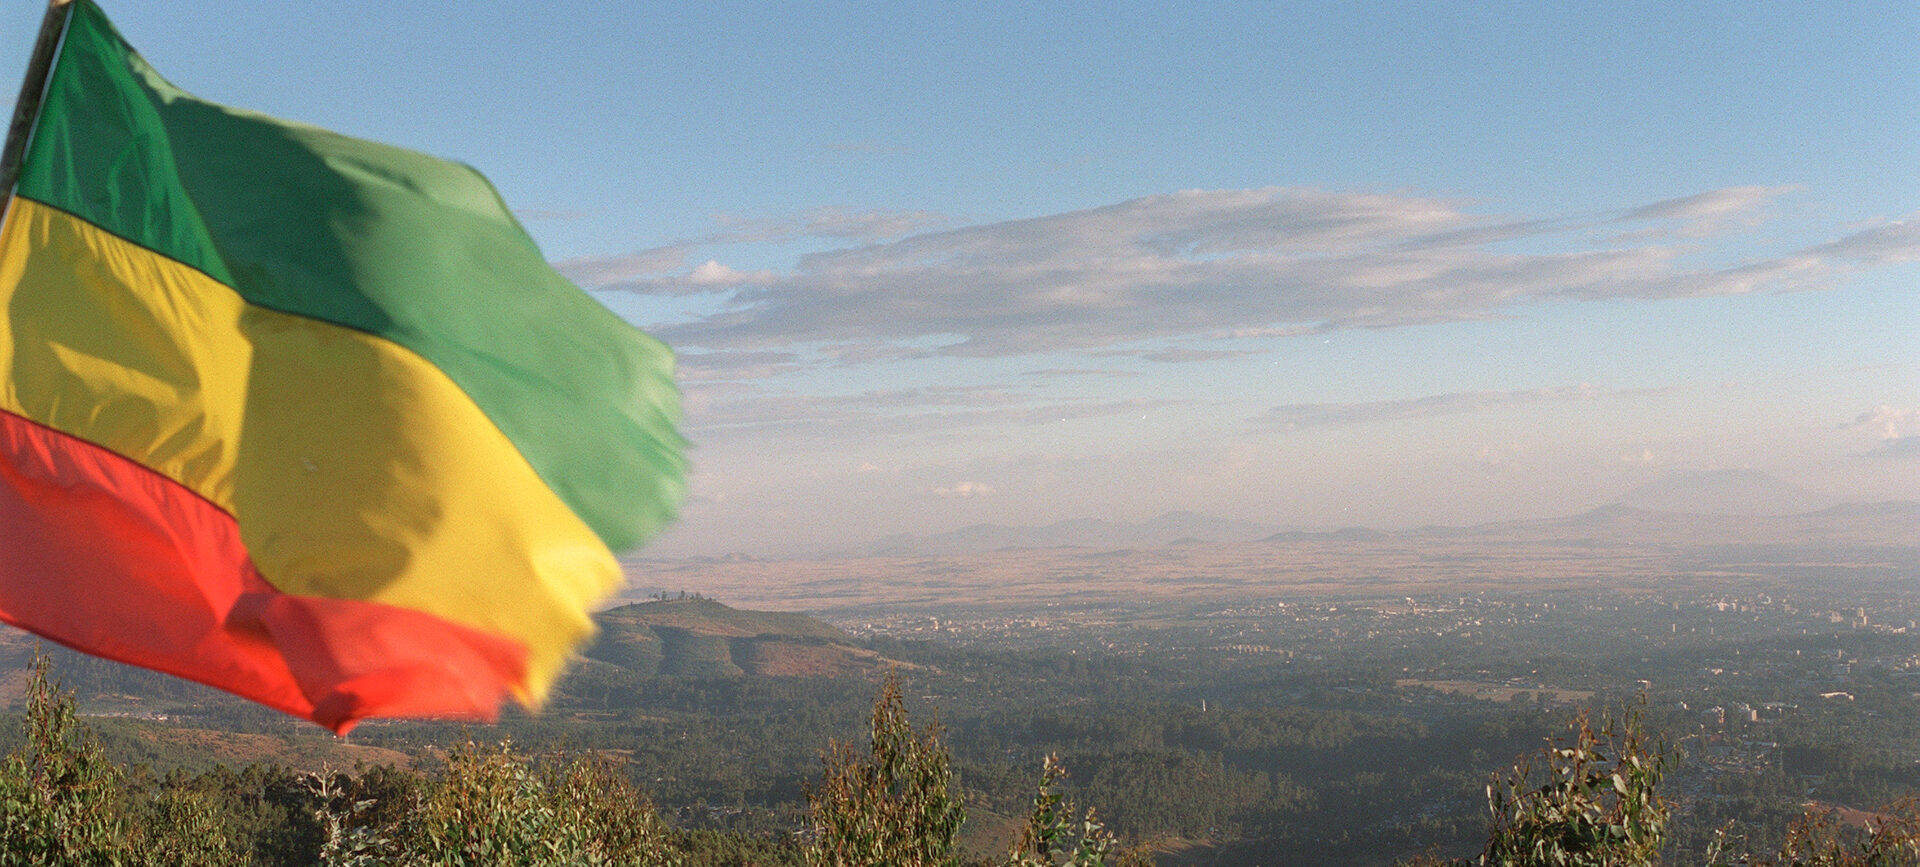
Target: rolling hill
x,y
699,637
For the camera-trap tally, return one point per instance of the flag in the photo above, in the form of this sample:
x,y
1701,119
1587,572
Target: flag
x,y
303,417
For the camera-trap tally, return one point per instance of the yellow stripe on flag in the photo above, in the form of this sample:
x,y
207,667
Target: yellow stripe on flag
x,y
355,469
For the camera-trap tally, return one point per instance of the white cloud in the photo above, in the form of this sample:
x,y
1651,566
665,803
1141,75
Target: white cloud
x,y
710,366
713,274
1205,264
659,270
1310,415
719,409
1713,206
602,271
1498,458
1897,241
965,490
1184,355
1898,448
1051,372
827,222
1288,331
1890,423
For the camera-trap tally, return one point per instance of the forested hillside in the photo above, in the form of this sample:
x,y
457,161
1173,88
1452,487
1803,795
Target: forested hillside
x,y
1348,747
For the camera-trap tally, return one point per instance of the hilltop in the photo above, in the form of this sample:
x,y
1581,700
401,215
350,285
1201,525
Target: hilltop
x,y
699,637
693,637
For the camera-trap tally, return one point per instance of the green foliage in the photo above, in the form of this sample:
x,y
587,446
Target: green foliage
x,y
1055,836
348,836
1594,801
1890,838
703,848
1324,765
488,809
494,806
62,802
181,827
58,793
266,811
893,806
1176,792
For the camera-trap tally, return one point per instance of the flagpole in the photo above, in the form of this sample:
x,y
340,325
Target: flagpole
x,y
26,109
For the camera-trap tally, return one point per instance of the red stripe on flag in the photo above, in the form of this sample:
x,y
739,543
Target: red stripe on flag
x,y
101,554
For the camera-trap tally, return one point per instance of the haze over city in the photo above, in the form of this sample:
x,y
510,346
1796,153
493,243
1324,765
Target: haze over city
x,y
1319,266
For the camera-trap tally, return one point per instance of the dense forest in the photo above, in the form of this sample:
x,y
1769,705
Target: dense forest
x,y
1198,759
1591,797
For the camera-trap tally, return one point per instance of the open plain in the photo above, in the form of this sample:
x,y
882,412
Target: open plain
x,y
1616,549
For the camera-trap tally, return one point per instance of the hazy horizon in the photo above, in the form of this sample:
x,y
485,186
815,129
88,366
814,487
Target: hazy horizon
x,y
1723,499
1318,266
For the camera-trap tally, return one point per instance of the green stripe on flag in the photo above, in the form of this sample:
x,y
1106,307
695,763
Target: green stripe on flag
x,y
395,243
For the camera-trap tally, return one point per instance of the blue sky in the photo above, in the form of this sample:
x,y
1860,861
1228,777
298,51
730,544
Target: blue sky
x,y
1309,264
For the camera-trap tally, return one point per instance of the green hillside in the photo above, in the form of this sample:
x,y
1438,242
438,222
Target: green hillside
x,y
702,638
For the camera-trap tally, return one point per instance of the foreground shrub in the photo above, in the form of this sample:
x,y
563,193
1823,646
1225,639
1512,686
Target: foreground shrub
x,y
1889,838
63,803
1057,836
895,805
1590,799
494,806
59,796
892,805
1594,800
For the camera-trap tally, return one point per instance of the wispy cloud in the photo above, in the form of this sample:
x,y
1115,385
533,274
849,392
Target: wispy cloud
x,y
1713,210
602,271
663,270
1897,241
1297,416
1891,423
709,366
1080,371
1227,263
713,276
965,490
1898,448
726,408
541,214
1698,216
1183,355
827,222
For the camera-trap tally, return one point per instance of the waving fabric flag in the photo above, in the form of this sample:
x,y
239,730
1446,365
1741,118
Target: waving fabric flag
x,y
303,417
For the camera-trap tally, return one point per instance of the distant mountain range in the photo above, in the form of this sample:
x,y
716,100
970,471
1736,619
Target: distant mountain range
x,y
1725,492
1168,529
1892,523
1711,502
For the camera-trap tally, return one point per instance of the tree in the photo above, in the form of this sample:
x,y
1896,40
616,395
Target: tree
x,y
893,806
1593,802
180,827
59,796
1891,838
494,806
1055,836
